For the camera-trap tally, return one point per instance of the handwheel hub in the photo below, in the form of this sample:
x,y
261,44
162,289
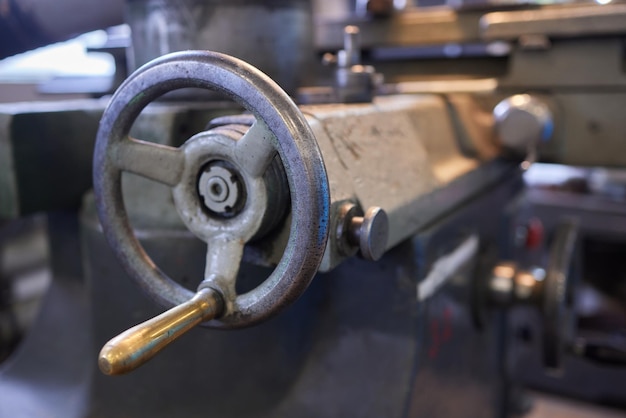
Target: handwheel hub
x,y
216,196
221,190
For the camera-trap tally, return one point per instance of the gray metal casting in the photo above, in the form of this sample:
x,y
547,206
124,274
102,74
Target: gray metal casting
x,y
278,122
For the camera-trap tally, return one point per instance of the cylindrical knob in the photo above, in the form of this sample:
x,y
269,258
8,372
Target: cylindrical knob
x,y
371,233
139,344
523,121
368,233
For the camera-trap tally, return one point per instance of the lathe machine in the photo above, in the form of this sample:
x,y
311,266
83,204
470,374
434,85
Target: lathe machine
x,y
315,209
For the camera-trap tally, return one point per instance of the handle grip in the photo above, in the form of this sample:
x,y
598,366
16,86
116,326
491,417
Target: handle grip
x,y
134,347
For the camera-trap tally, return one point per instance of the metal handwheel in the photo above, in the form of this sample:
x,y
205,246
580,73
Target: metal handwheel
x,y
558,308
220,193
549,290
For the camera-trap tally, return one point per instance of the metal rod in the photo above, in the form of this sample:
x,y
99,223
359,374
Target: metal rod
x,y
140,343
352,45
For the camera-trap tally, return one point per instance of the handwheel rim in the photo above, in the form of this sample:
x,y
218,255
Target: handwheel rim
x,y
302,159
557,307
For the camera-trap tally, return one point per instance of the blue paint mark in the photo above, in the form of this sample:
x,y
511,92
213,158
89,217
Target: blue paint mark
x,y
326,212
548,130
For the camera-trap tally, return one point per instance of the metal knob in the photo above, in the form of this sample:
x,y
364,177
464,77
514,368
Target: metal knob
x,y
369,233
522,121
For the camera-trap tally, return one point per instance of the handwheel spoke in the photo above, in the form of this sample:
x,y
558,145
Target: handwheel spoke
x,y
223,257
153,161
256,149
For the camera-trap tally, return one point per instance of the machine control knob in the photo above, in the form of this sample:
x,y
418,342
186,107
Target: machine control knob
x,y
369,232
522,121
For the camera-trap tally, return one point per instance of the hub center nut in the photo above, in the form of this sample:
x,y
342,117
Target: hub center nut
x,y
221,190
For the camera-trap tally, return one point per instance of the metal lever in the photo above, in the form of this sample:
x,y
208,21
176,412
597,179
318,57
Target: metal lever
x,y
140,343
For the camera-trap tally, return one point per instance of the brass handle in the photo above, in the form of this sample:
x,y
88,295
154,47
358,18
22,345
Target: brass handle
x,y
140,343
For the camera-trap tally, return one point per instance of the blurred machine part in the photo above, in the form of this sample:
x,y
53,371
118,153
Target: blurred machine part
x,y
594,364
385,223
28,24
275,36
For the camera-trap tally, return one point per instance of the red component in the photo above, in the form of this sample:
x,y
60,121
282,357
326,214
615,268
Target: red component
x,y
534,235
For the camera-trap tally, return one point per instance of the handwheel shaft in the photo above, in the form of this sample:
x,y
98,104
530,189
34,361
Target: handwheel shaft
x,y
140,343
